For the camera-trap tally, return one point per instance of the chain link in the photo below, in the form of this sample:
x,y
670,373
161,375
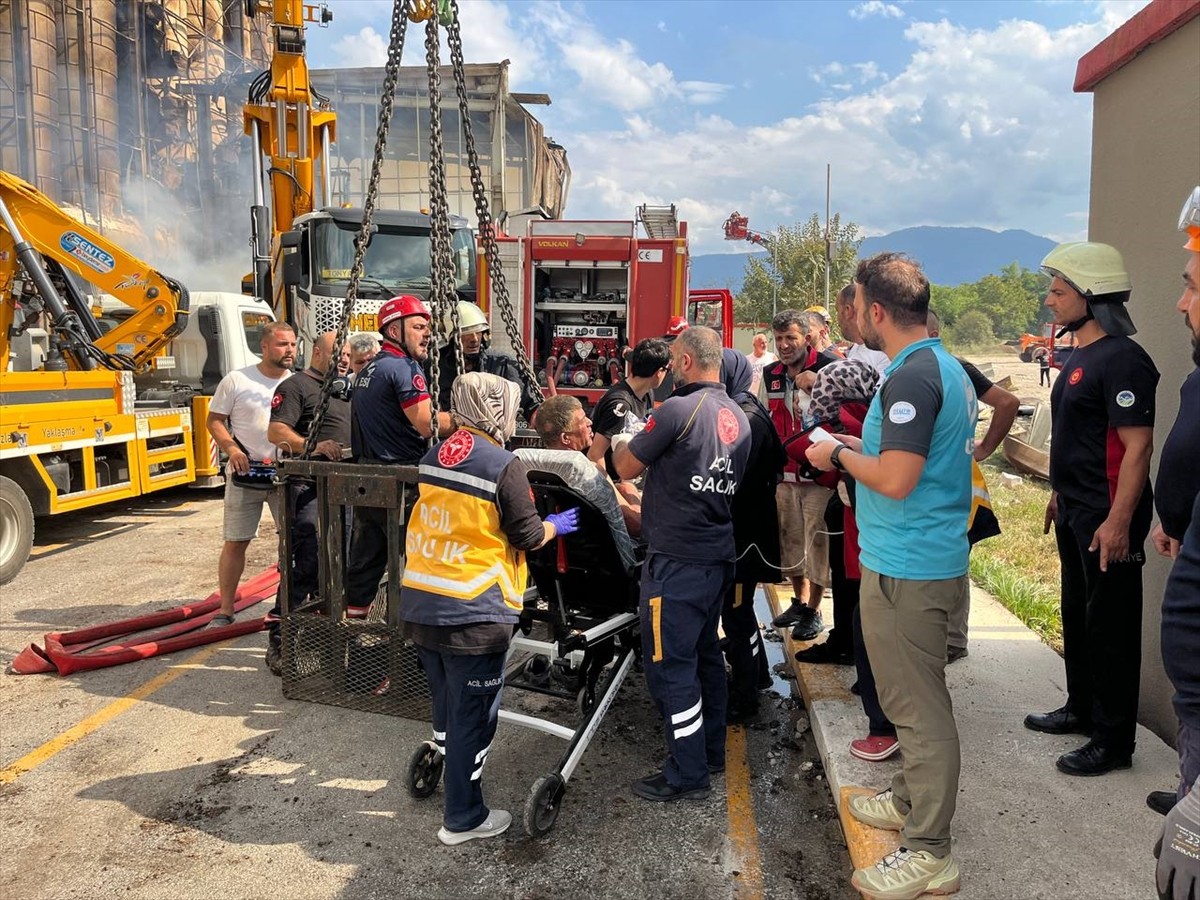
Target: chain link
x,y
487,230
386,101
441,260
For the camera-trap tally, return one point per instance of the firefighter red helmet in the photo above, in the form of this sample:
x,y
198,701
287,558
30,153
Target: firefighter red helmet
x,y
676,325
400,308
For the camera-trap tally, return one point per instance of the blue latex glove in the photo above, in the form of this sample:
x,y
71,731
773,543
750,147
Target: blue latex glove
x,y
565,522
1178,850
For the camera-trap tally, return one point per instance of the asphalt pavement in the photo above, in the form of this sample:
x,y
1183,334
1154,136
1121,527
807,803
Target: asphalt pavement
x,y
191,776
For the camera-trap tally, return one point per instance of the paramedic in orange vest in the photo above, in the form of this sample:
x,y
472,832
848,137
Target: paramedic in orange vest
x,y
464,582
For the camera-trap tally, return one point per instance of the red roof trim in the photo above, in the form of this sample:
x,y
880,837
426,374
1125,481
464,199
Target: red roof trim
x,y
1152,24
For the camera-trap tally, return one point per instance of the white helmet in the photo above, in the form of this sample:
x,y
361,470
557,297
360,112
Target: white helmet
x,y
470,319
1098,273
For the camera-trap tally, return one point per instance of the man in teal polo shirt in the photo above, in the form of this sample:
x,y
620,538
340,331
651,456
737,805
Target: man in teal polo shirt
x,y
913,470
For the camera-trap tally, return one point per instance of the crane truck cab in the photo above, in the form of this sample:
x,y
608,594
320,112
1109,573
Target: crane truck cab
x,y
319,253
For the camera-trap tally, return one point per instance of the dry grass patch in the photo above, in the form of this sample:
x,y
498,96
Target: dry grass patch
x,y
1020,566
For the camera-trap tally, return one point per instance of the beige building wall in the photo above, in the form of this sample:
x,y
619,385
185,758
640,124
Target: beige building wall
x,y
1145,161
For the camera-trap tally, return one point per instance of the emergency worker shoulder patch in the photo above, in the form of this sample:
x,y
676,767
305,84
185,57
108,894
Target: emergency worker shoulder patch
x,y
456,448
728,428
1125,399
419,381
276,401
1076,376
649,426
902,412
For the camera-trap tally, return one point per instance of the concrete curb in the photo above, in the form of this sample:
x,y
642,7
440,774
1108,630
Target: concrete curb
x,y
1022,830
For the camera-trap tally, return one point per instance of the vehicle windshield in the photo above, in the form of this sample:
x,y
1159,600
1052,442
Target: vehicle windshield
x,y
396,257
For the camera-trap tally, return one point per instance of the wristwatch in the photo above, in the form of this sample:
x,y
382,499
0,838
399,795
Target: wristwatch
x,y
833,457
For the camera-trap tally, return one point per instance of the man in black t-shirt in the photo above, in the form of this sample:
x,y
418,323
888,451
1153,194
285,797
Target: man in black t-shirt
x,y
626,405
1102,427
293,409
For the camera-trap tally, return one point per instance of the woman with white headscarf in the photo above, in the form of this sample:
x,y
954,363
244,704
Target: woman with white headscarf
x,y
464,584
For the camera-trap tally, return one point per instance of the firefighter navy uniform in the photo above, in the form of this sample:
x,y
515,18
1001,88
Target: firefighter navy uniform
x,y
461,595
381,433
696,447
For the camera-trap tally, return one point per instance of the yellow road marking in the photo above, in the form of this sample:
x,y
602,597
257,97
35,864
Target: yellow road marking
x,y
743,829
76,733
866,845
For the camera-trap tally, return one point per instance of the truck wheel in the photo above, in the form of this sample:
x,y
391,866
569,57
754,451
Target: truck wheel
x,y
1039,353
16,529
1027,355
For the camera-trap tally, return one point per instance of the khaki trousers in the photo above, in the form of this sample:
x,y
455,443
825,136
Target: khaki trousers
x,y
904,627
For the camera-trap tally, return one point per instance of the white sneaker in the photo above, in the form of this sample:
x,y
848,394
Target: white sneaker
x,y
905,875
496,823
879,811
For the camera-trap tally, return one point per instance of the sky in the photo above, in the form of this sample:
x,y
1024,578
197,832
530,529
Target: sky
x,y
929,112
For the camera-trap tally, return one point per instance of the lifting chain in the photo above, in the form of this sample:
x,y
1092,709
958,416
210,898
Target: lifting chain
x,y
487,230
441,271
386,101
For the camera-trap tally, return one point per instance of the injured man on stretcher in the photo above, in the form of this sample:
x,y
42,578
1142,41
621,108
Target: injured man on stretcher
x,y
566,433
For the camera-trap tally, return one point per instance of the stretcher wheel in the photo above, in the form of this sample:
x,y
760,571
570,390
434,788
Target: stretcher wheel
x,y
425,770
585,700
541,809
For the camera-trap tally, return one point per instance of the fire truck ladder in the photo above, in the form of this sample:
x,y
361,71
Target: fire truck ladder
x,y
660,222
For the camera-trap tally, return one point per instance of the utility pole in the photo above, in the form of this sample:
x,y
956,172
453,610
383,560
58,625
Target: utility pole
x,y
828,243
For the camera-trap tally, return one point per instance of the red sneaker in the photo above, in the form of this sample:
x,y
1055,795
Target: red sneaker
x,y
874,748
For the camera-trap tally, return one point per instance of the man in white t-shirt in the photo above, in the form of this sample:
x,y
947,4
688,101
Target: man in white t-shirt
x,y
876,359
759,358
238,419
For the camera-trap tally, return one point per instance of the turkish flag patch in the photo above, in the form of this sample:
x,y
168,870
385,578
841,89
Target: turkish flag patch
x,y
649,426
276,401
419,381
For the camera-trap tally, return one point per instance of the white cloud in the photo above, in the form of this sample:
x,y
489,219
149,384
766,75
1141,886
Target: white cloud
x,y
938,143
876,8
703,92
367,47
868,72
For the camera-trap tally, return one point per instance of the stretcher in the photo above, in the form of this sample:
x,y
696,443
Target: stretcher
x,y
578,639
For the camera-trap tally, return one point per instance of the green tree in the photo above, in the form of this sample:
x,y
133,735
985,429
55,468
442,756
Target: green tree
x,y
1012,301
792,272
973,329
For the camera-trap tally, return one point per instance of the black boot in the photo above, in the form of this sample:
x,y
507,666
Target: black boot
x,y
1060,721
1094,759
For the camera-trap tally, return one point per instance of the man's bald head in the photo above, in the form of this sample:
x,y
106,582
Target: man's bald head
x,y
696,356
322,350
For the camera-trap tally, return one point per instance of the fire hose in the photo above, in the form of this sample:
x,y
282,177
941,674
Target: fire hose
x,y
66,652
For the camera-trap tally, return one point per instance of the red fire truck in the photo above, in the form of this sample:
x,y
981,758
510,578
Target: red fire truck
x,y
584,290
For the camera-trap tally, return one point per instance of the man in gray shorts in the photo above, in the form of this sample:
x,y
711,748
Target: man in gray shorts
x,y
238,420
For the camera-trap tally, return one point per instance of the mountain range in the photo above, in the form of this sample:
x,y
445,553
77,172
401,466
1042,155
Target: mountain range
x,y
949,256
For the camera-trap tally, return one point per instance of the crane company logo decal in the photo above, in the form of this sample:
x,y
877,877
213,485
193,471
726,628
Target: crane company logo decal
x,y
902,412
132,281
456,448
727,426
87,252
419,382
1125,399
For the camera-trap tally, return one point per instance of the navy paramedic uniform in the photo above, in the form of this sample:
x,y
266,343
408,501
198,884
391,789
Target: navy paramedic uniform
x,y
381,433
1106,385
695,446
464,582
